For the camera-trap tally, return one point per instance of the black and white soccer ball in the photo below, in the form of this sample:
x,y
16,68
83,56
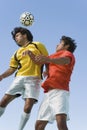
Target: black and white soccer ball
x,y
26,19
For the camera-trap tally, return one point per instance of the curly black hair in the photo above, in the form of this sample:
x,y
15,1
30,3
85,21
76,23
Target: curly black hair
x,y
69,41
22,31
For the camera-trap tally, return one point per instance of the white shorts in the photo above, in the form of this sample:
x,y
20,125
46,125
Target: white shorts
x,y
55,102
28,87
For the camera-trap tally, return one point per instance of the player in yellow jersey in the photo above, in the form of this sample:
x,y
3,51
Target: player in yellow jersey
x,y
27,74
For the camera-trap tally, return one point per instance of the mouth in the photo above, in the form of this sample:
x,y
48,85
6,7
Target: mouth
x,y
16,40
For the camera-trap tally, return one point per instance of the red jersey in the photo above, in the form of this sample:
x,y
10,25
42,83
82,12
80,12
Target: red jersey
x,y
59,75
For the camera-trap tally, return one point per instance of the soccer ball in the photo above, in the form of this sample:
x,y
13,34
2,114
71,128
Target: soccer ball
x,y
26,19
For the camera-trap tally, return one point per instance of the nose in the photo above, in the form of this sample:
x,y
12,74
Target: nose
x,y
56,46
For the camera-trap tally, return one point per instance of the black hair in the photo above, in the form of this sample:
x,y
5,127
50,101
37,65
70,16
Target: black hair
x,y
22,31
69,41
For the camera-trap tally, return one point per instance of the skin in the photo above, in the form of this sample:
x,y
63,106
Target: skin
x,y
22,41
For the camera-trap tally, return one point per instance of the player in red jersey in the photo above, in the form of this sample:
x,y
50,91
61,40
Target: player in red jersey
x,y
55,105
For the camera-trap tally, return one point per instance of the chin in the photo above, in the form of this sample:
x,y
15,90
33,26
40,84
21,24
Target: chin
x,y
19,44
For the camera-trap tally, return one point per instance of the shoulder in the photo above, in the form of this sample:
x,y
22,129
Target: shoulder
x,y
41,47
38,43
70,55
65,53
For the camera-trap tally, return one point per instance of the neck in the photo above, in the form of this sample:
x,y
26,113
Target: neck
x,y
26,43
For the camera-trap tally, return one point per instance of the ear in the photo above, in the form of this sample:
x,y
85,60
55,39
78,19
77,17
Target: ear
x,y
24,35
66,47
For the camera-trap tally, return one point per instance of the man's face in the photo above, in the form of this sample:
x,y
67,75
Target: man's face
x,y
19,38
61,46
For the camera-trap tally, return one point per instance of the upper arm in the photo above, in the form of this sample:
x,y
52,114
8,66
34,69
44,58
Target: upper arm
x,y
60,60
67,57
67,60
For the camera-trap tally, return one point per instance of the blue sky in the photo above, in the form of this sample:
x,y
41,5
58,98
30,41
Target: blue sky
x,y
53,18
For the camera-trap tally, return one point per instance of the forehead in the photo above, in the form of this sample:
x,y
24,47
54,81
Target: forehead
x,y
62,42
18,33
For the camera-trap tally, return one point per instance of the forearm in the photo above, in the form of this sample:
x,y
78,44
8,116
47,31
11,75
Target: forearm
x,y
7,73
59,61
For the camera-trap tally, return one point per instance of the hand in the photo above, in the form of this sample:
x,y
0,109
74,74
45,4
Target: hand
x,y
28,52
41,59
38,59
32,56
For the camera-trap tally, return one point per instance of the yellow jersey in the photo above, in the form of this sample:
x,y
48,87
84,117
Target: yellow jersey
x,y
24,65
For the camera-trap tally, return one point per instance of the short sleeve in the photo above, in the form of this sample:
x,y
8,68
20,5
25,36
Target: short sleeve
x,y
13,62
